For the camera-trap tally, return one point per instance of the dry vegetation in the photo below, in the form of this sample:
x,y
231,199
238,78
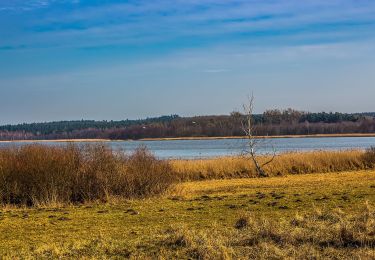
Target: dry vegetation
x,y
315,216
284,164
42,175
329,234
75,212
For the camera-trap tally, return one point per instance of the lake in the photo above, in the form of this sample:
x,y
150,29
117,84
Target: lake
x,y
190,149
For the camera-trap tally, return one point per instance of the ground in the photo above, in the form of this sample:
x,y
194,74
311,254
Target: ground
x,y
140,227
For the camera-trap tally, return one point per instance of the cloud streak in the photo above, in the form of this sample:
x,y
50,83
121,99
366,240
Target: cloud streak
x,y
57,23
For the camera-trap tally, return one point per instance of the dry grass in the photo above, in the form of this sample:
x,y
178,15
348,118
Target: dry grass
x,y
284,164
43,175
369,157
197,244
341,184
318,234
279,220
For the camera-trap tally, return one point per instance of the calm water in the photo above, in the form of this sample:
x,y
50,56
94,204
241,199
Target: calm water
x,y
212,148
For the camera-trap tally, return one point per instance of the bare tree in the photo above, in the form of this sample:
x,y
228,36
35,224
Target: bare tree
x,y
254,143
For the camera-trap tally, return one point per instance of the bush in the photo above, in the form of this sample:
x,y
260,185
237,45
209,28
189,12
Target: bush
x,y
146,175
40,175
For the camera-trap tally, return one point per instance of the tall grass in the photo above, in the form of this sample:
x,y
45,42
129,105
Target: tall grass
x,y
37,174
369,157
284,164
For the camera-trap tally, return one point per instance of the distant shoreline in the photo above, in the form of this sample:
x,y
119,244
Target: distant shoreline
x,y
193,138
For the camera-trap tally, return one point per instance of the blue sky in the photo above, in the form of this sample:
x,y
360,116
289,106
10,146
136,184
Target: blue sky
x,y
132,59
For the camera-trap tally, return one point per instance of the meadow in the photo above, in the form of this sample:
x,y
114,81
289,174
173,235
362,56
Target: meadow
x,y
184,209
311,216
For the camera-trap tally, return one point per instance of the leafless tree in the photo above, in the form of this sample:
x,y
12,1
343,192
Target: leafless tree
x,y
254,143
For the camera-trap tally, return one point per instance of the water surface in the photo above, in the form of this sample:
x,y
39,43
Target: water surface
x,y
188,149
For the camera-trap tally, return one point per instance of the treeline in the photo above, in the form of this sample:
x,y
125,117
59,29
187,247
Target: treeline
x,y
74,125
271,122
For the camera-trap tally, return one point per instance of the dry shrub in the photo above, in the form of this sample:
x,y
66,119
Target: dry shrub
x,y
31,174
38,174
147,175
284,164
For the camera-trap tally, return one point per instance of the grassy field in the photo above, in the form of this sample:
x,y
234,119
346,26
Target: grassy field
x,y
295,216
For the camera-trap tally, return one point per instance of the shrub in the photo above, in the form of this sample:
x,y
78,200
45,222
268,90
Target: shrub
x,y
146,175
38,174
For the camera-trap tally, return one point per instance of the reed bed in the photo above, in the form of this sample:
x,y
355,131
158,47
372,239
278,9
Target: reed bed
x,y
283,164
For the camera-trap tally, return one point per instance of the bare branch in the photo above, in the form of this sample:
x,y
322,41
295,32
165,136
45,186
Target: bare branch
x,y
248,127
271,160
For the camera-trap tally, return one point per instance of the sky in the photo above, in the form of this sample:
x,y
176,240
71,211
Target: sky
x,y
112,60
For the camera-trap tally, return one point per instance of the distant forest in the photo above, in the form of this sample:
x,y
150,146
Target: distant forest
x,y
271,122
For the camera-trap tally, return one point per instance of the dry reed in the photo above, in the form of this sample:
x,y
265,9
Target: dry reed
x,y
286,163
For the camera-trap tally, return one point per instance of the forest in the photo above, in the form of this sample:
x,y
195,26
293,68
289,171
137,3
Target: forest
x,y
271,122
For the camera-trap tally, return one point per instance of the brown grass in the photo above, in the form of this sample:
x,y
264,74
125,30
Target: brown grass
x,y
318,234
369,157
284,164
38,175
